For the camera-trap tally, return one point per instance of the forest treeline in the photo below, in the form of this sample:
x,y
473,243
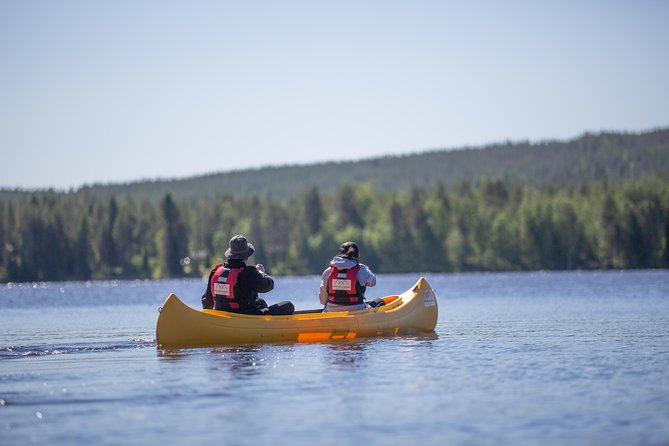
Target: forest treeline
x,y
495,225
608,156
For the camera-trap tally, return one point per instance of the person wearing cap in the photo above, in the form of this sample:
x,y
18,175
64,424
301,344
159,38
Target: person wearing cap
x,y
234,286
344,282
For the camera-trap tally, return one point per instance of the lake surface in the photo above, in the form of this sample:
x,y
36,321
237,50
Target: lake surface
x,y
567,358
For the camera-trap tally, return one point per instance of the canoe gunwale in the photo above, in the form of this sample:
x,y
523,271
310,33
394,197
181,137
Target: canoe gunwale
x,y
395,302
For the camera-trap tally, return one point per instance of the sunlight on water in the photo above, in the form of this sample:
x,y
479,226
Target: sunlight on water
x,y
530,358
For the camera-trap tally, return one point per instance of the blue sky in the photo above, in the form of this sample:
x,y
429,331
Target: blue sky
x,y
116,91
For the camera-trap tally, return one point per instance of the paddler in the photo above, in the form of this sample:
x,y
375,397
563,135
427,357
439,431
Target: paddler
x,y
234,285
344,282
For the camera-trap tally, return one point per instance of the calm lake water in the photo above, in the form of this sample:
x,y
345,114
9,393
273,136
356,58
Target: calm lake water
x,y
573,358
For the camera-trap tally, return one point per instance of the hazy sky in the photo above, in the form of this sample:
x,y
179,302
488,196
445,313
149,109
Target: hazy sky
x,y
110,91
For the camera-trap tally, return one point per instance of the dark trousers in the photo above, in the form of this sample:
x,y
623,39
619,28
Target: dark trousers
x,y
283,308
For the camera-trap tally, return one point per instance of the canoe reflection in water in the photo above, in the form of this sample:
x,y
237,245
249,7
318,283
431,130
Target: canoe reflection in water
x,y
240,361
347,353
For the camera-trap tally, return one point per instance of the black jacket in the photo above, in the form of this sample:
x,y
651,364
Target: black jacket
x,y
250,282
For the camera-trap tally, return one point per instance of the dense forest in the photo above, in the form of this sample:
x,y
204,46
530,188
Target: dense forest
x,y
611,157
493,225
599,201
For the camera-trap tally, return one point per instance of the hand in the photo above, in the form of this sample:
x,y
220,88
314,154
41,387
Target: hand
x,y
260,267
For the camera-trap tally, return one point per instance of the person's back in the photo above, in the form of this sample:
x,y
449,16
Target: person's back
x,y
234,286
345,281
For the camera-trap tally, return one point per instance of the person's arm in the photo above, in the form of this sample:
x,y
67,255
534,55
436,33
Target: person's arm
x,y
207,298
260,281
371,280
323,292
323,295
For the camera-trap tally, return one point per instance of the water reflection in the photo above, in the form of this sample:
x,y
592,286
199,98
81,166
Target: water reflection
x,y
172,353
239,361
423,338
244,361
347,353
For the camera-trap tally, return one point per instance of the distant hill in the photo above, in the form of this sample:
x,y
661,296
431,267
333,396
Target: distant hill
x,y
607,156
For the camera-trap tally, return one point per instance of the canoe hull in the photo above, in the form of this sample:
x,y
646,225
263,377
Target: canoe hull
x,y
414,311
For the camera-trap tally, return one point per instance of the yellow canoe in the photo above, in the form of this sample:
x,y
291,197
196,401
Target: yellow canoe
x,y
413,311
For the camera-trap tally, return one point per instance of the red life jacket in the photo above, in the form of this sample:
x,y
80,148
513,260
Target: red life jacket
x,y
343,286
222,287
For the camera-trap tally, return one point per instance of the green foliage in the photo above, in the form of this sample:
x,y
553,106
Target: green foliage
x,y
601,201
172,240
493,226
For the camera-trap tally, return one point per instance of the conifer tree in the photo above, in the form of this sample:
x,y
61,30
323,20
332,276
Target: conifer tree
x,y
174,242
